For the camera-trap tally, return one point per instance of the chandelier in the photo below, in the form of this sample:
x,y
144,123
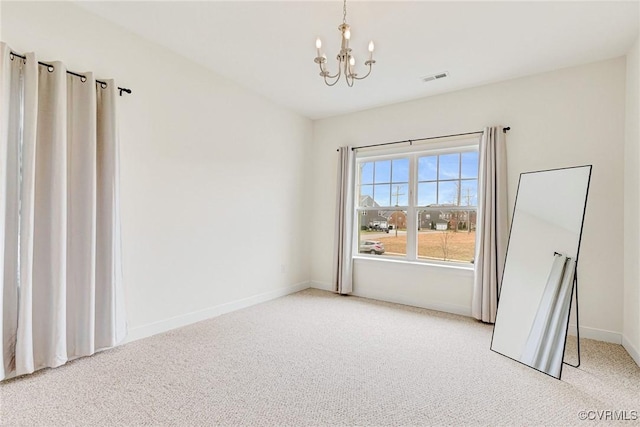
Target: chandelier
x,y
346,61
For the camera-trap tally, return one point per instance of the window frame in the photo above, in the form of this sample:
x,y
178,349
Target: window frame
x,y
413,153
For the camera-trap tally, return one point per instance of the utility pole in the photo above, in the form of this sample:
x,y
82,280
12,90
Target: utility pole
x,y
397,194
468,197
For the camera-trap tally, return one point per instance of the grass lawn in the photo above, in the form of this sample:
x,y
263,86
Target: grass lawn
x,y
459,246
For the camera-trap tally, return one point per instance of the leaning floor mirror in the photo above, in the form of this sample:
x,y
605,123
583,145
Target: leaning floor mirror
x,y
540,268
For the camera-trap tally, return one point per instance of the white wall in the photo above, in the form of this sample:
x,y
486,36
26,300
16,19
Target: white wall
x,y
631,327
205,189
569,117
213,176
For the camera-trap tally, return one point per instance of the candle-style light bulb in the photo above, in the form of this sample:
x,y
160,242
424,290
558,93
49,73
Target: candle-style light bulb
x,y
347,34
352,61
318,46
371,46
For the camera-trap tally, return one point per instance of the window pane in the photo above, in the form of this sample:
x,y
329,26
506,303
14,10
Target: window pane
x,y
428,168
449,166
382,171
366,173
448,193
447,235
469,192
366,195
446,200
400,170
427,193
400,195
470,165
382,194
382,233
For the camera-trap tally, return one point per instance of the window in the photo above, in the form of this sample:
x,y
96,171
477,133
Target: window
x,y
419,205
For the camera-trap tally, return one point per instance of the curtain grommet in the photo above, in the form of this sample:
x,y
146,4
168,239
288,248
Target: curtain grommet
x,y
50,68
83,79
11,56
103,85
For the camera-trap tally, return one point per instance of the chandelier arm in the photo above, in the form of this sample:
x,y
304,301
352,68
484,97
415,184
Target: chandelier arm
x,y
323,70
331,84
338,74
349,79
334,76
366,75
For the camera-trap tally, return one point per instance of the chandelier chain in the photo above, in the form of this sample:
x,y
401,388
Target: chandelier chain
x,y
344,12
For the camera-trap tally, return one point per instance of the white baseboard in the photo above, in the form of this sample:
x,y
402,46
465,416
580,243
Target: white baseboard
x,y
208,313
585,332
325,286
596,334
633,352
399,299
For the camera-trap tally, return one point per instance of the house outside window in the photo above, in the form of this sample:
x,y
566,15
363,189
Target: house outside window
x,y
418,204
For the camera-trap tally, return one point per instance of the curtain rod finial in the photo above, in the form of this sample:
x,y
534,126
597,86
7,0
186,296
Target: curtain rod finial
x,y
504,130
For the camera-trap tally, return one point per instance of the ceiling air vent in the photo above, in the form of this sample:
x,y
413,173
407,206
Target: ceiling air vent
x,y
435,76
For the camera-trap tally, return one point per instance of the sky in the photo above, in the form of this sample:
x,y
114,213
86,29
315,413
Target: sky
x,y
387,181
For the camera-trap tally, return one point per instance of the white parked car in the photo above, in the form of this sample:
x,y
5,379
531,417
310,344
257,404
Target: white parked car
x,y
372,247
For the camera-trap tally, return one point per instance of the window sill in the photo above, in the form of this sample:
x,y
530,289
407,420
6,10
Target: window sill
x,y
377,258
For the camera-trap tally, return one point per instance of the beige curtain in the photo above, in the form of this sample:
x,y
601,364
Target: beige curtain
x,y
492,229
62,295
343,263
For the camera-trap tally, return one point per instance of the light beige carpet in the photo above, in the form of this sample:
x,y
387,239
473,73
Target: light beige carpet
x,y
315,358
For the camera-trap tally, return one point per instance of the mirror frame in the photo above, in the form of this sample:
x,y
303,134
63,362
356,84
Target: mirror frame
x,y
574,286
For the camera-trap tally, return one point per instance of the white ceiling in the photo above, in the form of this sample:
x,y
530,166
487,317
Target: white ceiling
x,y
269,46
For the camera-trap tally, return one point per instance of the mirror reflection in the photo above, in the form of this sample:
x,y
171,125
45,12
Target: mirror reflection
x,y
535,298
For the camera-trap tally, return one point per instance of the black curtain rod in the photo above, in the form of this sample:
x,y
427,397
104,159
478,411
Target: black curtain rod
x,y
82,77
411,141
